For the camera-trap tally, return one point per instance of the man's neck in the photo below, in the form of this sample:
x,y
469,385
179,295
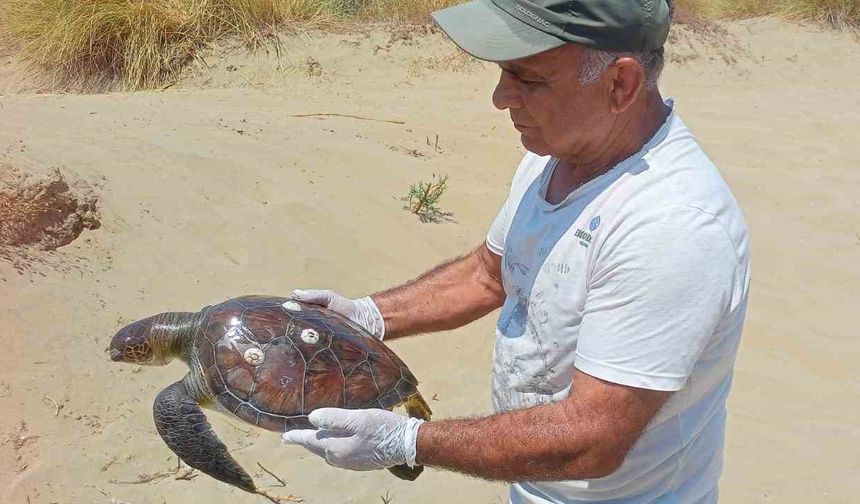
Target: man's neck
x,y
631,131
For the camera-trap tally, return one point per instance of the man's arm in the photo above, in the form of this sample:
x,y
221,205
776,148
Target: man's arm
x,y
587,435
446,297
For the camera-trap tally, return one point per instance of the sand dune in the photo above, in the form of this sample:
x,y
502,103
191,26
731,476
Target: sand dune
x,y
216,188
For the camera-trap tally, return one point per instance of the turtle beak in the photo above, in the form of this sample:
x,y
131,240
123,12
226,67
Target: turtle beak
x,y
115,355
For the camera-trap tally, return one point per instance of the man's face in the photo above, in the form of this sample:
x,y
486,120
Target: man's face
x,y
554,113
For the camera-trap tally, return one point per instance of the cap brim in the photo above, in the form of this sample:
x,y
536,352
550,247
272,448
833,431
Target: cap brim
x,y
489,33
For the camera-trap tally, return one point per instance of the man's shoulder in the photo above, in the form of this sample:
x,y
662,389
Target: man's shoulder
x,y
677,187
676,171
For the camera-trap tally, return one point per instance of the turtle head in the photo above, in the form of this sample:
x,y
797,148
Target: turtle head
x,y
152,341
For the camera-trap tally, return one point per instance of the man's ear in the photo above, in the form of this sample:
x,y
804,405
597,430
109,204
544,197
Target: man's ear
x,y
627,81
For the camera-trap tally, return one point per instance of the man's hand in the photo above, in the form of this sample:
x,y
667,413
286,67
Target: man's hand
x,y
362,311
361,440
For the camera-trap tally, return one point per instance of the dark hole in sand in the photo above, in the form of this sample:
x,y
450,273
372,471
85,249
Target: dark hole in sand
x,y
43,213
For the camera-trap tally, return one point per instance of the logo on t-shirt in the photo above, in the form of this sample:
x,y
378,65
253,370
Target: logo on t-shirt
x,y
584,237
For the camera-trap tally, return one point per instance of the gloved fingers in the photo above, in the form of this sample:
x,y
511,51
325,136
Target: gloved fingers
x,y
312,439
314,296
335,419
299,436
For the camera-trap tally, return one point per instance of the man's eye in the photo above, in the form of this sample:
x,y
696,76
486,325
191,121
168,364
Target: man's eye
x,y
529,80
525,81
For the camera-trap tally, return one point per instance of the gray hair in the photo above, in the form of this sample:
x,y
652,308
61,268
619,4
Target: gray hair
x,y
595,62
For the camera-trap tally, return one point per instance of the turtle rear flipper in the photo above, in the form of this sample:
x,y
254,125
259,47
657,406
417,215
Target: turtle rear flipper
x,y
416,407
185,429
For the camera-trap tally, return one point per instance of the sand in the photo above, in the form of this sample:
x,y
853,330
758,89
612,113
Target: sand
x,y
213,189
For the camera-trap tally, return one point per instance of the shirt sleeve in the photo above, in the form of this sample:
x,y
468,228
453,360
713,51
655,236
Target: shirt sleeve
x,y
499,230
658,289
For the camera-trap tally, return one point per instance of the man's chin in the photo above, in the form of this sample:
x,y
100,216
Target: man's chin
x,y
534,145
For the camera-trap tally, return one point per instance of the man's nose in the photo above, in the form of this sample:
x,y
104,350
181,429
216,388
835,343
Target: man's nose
x,y
507,93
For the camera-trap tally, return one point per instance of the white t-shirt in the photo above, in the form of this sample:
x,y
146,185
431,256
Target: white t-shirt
x,y
638,277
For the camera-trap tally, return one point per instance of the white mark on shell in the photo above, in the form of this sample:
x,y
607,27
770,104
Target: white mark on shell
x,y
292,306
310,336
234,321
254,356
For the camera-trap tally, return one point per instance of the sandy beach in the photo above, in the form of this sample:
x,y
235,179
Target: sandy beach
x,y
238,180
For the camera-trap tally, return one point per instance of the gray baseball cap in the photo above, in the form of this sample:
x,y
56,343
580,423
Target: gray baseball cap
x,y
504,30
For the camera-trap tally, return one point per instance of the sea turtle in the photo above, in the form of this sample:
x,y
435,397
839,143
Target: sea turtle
x,y
268,361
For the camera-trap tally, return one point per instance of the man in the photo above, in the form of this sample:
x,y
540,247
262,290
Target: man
x,y
621,264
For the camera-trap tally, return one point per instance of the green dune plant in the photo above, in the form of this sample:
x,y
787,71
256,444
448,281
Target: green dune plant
x,y
423,199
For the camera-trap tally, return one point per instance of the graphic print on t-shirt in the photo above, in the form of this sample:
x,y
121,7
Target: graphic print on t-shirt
x,y
537,232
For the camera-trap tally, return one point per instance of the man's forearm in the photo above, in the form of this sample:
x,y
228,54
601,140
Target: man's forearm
x,y
535,444
446,297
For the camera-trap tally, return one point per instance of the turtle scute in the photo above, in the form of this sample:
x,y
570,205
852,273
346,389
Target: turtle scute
x,y
272,363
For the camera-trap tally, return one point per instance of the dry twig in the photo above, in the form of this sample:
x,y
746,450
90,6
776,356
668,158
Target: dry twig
x,y
186,475
107,464
231,424
278,499
350,116
145,478
270,473
97,489
57,407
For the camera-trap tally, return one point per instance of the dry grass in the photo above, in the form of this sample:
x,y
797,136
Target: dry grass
x,y
98,44
137,44
841,14
837,13
413,11
13,212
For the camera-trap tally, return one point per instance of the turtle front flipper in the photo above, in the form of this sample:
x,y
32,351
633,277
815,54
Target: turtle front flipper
x,y
185,429
416,407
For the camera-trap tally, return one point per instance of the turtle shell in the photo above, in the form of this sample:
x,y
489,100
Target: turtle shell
x,y
270,361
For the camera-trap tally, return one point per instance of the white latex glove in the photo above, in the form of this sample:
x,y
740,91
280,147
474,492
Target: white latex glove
x,y
362,311
361,440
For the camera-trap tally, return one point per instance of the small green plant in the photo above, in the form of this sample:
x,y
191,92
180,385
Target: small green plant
x,y
423,198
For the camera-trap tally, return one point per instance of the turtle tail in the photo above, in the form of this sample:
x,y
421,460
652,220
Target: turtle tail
x,y
416,407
